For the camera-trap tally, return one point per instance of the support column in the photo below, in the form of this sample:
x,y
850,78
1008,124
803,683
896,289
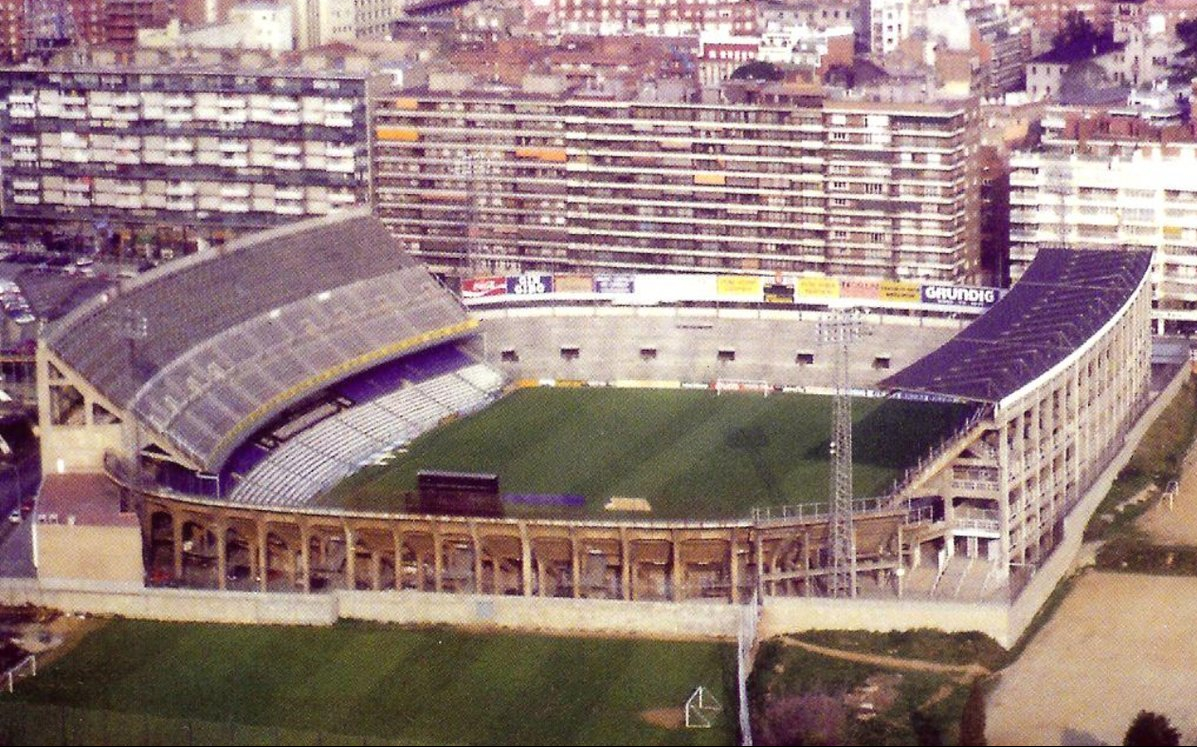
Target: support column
x,y
263,556
575,562
676,568
759,548
397,538
625,565
525,560
222,562
376,571
350,558
477,543
733,570
806,584
176,532
305,556
438,558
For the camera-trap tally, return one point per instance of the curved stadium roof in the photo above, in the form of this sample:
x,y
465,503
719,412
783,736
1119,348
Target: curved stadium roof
x,y
234,336
1063,299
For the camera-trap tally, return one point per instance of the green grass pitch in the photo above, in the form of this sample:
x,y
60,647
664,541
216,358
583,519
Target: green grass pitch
x,y
356,683
691,454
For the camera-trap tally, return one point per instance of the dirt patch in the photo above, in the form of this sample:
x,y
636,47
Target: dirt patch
x,y
1099,661
665,718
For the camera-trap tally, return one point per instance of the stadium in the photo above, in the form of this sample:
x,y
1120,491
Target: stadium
x,y
215,424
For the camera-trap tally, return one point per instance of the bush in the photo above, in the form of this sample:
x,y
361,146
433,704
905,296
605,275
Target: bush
x,y
1151,729
812,718
972,719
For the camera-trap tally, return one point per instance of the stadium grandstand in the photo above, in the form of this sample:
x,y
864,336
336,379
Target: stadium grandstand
x,y
295,337
1060,369
248,381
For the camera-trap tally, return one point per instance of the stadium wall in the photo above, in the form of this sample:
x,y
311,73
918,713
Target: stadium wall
x,y
608,344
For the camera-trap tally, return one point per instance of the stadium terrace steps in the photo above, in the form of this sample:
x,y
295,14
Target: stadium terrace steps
x,y
314,459
233,336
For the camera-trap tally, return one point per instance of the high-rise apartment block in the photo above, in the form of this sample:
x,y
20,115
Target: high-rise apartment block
x,y
210,141
1102,181
659,175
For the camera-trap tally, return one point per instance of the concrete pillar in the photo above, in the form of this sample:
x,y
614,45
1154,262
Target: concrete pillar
x,y
263,556
625,565
733,570
677,568
806,583
222,561
525,560
350,558
575,563
438,558
476,543
397,538
176,529
305,556
759,548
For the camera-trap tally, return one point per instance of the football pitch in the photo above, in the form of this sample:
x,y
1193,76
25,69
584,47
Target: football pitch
x,y
139,682
688,453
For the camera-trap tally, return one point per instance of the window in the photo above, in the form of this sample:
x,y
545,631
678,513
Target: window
x,y
805,359
569,353
648,354
881,362
509,356
726,355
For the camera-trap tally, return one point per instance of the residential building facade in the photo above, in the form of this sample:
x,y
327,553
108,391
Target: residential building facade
x,y
236,142
752,178
1102,182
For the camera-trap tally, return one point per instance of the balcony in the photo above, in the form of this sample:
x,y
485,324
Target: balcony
x,y
288,164
180,190
22,111
235,162
334,121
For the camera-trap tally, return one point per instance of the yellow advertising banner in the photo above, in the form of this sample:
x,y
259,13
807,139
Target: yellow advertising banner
x,y
738,286
817,287
900,291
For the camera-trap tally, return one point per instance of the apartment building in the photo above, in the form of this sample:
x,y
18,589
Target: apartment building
x,y
675,18
1106,181
652,174
212,141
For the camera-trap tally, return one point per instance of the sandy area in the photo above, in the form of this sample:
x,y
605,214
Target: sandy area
x,y
1119,643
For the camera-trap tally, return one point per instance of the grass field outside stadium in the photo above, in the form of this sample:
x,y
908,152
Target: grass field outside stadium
x,y
165,682
689,453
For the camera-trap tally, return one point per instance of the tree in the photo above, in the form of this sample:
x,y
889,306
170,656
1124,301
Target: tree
x,y
1151,729
758,70
1077,31
972,719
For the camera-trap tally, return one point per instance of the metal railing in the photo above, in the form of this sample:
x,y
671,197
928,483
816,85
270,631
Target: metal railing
x,y
935,452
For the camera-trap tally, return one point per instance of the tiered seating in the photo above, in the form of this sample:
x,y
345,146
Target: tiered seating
x,y
233,337
1062,300
330,450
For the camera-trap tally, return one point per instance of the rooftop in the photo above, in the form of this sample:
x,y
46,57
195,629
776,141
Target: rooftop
x,y
1062,300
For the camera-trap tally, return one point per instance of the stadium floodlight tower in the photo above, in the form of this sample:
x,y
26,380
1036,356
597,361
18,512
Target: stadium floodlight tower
x,y
476,168
839,330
